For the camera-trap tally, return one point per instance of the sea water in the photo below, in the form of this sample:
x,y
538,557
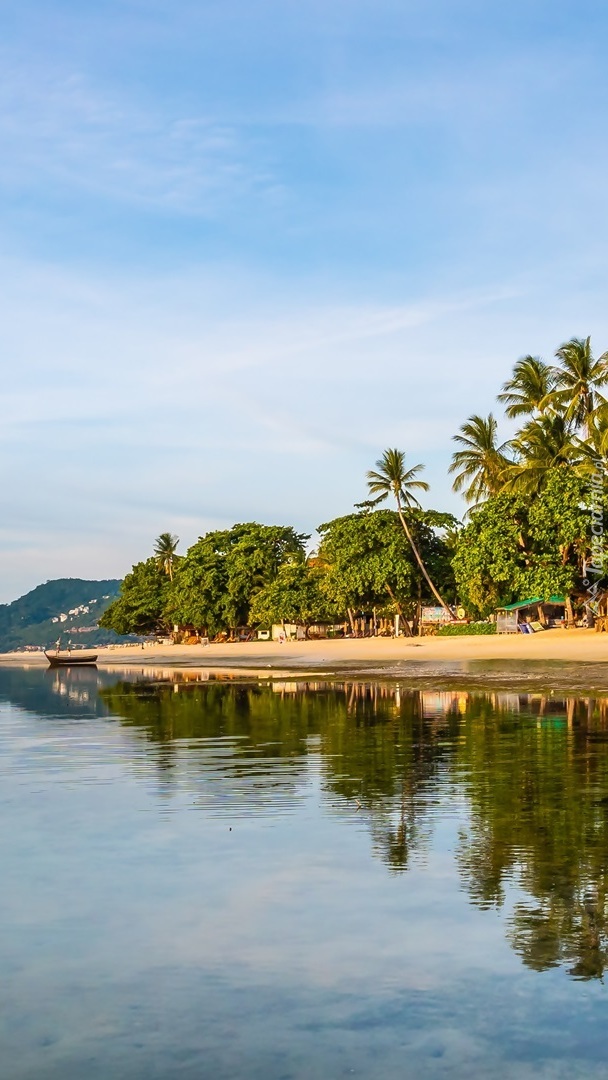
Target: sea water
x,y
306,879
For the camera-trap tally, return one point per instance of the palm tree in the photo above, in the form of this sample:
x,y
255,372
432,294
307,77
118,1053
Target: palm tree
x,y
597,444
391,478
165,547
526,392
540,445
577,381
480,463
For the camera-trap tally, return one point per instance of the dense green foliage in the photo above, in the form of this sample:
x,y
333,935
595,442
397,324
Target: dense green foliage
x,y
29,620
211,588
254,575
478,463
515,547
466,629
370,562
296,595
565,426
165,548
216,582
140,608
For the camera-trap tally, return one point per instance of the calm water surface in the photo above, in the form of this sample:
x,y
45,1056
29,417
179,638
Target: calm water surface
x,y
300,880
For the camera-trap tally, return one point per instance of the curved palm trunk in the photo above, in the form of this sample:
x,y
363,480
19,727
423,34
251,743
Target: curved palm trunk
x,y
418,558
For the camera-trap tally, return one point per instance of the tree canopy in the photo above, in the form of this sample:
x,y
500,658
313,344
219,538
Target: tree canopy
x,y
216,582
370,562
295,595
140,608
514,548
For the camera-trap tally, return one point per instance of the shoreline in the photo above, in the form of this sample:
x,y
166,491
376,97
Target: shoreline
x,y
564,662
571,647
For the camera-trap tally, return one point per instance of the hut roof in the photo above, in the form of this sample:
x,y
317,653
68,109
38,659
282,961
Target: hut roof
x,y
532,600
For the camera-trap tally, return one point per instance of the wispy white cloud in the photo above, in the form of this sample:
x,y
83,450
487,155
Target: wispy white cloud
x,y
158,410
59,127
245,250
186,418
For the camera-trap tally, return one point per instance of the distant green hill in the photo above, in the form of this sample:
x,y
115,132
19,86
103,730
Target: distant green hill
x,y
66,608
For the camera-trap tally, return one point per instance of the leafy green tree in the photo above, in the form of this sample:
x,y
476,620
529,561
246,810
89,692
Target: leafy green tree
x,y
141,606
165,548
559,524
368,559
567,426
199,594
489,559
295,595
370,562
480,463
217,580
390,477
515,547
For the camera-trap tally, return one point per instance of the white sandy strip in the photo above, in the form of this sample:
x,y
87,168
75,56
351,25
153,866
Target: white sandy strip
x,y
572,646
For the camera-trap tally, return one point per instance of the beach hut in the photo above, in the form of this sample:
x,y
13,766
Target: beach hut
x,y
535,613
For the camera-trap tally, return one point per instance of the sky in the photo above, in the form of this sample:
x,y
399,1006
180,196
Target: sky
x,y
246,245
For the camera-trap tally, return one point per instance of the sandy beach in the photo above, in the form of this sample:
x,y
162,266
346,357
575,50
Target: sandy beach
x,y
568,646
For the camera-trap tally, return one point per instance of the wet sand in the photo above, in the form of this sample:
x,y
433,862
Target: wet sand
x,y
568,661
567,646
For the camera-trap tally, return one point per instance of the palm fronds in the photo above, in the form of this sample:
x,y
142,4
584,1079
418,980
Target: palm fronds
x,y
479,464
527,390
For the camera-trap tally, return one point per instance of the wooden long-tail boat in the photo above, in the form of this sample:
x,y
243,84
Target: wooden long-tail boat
x,y
69,659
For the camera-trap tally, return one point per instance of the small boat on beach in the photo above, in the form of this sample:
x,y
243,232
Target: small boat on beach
x,y
70,659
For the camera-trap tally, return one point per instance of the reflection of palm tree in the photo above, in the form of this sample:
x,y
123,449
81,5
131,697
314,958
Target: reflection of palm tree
x,y
479,463
391,477
164,552
526,392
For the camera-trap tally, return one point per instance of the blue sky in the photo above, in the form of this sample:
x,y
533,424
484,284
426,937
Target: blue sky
x,y
245,246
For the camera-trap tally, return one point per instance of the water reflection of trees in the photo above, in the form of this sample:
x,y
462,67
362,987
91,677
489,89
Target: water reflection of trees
x,y
533,769
372,746
385,751
539,821
225,742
